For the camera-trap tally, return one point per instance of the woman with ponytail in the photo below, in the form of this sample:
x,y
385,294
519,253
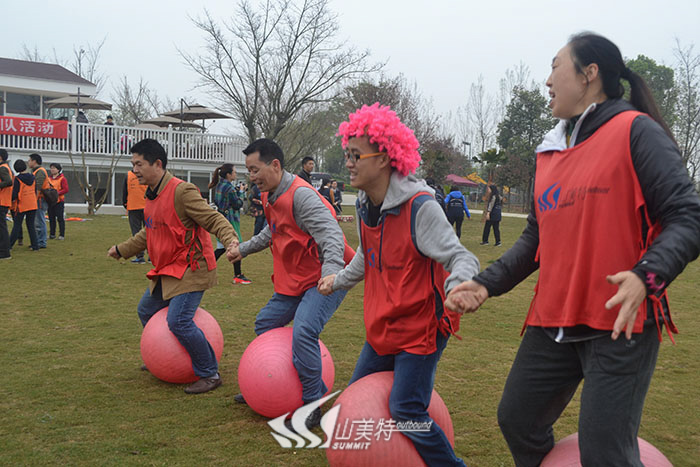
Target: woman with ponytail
x,y
228,202
615,219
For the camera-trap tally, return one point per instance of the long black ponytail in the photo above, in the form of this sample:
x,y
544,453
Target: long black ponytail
x,y
587,48
220,172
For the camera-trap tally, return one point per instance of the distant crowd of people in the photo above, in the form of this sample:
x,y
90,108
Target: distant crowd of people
x,y
28,192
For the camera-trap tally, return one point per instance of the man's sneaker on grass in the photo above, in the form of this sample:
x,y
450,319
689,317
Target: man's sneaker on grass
x,y
138,261
241,279
240,399
311,422
204,385
484,243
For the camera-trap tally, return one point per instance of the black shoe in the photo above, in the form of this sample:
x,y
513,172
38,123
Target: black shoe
x,y
52,237
498,244
203,385
240,399
311,422
484,243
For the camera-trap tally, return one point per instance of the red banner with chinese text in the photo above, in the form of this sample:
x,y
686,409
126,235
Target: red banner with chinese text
x,y
33,127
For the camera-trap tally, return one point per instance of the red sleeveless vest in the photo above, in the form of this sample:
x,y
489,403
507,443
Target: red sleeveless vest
x,y
400,286
590,208
296,267
170,254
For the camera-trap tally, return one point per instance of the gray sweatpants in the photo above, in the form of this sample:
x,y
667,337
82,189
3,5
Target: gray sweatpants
x,y
544,378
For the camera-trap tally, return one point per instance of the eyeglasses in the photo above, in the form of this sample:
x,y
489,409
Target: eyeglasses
x,y
356,157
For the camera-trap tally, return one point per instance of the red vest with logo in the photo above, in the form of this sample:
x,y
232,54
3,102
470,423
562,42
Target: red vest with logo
x,y
400,288
135,193
26,198
6,193
296,266
168,249
56,185
590,209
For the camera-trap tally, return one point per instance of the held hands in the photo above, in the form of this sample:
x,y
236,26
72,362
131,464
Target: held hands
x,y
233,252
466,297
325,284
630,294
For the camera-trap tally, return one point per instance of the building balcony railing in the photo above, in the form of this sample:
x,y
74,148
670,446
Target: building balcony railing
x,y
108,140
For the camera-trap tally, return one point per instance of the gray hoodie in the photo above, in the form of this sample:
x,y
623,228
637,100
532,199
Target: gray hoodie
x,y
312,217
434,236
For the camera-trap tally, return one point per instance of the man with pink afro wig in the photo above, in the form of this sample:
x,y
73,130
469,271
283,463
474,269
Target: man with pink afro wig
x,y
385,130
408,277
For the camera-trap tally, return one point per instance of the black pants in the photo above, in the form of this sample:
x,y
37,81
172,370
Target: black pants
x,y
56,213
136,223
487,230
236,265
4,234
259,224
457,220
544,378
17,228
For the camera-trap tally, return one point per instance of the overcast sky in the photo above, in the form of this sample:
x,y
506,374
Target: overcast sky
x,y
441,45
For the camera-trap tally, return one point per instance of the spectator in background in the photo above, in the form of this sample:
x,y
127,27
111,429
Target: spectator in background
x,y
134,201
325,189
256,209
42,182
24,204
307,166
439,193
492,216
6,181
456,207
337,197
229,201
59,183
109,134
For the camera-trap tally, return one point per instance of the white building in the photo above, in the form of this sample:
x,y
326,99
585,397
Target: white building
x,y
93,147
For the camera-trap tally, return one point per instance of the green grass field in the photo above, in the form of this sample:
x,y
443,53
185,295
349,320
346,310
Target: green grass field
x,y
71,392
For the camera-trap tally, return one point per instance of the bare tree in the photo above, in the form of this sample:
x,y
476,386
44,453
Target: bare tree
x,y
483,118
33,55
271,60
687,127
90,191
86,63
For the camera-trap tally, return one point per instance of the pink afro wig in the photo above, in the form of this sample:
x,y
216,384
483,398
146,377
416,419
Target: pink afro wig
x,y
384,129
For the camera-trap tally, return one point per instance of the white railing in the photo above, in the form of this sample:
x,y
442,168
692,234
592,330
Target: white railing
x,y
107,140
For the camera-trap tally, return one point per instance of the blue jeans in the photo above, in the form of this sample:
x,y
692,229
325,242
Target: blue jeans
x,y
180,322
310,312
40,221
414,376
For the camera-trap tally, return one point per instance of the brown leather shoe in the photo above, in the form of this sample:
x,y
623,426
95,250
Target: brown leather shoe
x,y
203,385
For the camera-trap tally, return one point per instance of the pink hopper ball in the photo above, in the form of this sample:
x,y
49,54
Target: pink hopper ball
x,y
565,454
368,398
267,377
163,354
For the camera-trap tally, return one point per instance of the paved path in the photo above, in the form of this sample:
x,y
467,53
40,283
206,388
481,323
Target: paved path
x,y
349,200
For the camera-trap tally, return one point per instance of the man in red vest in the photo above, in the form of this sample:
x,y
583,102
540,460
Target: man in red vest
x,y
178,222
409,256
306,243
6,181
134,200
